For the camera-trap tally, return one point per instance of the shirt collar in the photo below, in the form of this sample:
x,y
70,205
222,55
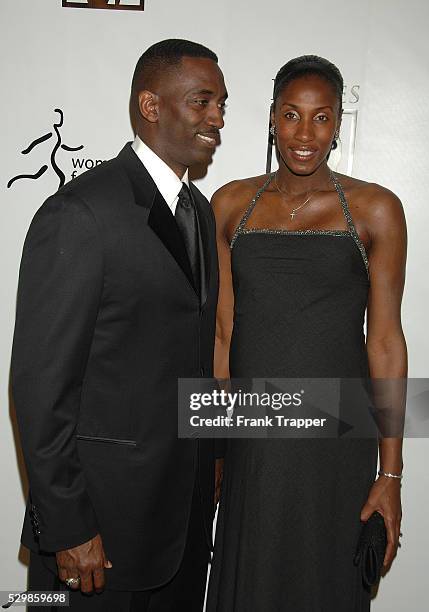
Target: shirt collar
x,y
166,180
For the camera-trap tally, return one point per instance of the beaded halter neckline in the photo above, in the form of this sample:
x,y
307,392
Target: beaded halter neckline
x,y
351,231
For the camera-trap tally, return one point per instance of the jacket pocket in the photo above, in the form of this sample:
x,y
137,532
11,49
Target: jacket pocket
x,y
106,440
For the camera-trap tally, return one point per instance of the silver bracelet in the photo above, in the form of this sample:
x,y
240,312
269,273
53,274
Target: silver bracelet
x,y
389,475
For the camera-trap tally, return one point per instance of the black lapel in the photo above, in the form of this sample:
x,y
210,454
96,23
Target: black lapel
x,y
205,246
159,216
163,223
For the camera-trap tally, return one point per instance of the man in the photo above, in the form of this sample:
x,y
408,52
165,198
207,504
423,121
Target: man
x,y
116,301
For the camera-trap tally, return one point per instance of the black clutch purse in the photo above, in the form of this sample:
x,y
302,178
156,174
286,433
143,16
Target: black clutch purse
x,y
371,549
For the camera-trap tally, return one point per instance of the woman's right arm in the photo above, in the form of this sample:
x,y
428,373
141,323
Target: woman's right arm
x,y
221,203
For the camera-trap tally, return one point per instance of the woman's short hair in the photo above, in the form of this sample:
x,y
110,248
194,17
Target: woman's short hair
x,y
307,65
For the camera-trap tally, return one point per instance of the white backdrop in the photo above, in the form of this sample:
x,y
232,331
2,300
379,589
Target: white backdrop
x,y
81,61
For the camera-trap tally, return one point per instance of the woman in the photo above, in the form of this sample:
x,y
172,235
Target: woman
x,y
303,252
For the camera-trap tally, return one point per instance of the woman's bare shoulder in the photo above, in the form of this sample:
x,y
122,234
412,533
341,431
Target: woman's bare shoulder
x,y
374,201
230,201
237,191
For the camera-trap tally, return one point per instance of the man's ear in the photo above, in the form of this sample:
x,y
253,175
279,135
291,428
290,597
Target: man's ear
x,y
148,106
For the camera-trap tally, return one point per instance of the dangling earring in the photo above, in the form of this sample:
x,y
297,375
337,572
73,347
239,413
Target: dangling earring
x,y
334,144
273,130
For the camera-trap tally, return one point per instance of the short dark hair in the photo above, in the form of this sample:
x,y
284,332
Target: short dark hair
x,y
163,55
309,65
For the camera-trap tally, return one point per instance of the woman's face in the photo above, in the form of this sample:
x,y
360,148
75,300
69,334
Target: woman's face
x,y
306,116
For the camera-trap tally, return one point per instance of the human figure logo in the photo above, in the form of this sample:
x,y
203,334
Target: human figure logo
x,y
56,146
120,5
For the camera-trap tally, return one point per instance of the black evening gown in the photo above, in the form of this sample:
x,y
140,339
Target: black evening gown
x,y
289,516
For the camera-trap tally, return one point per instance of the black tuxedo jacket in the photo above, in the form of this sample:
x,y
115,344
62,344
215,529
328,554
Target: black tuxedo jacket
x,y
107,321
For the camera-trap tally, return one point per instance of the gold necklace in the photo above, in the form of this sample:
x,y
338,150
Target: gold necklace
x,y
294,210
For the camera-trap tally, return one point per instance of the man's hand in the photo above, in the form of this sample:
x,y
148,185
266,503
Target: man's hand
x,y
86,562
218,480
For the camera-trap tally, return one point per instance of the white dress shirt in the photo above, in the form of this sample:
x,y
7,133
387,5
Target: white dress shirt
x,y
167,181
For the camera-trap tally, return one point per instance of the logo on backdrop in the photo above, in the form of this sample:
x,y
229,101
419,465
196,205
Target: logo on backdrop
x,y
120,5
78,163
342,158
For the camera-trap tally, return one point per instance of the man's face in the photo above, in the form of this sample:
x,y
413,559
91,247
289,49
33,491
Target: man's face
x,y
191,100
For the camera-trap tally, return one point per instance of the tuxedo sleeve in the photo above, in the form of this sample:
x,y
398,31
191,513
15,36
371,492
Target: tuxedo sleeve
x,y
59,292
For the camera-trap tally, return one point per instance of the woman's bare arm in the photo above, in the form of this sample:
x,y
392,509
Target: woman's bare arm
x,y
387,351
224,204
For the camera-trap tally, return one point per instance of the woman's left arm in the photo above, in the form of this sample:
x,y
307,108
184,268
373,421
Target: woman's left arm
x,y
387,351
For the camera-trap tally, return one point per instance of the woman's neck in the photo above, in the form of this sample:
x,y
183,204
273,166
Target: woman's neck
x,y
296,185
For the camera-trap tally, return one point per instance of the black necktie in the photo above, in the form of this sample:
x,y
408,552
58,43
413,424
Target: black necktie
x,y
186,218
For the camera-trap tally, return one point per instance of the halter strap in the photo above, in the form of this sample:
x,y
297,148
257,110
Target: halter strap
x,y
345,207
249,210
349,219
